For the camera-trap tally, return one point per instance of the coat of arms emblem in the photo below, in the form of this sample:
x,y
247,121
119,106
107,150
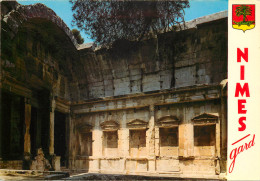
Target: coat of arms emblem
x,y
243,17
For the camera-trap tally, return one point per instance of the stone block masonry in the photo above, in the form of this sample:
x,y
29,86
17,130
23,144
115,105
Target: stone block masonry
x,y
158,108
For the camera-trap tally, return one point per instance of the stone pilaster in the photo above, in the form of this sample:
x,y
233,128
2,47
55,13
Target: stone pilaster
x,y
123,142
97,136
218,148
150,139
97,142
150,132
186,138
157,141
223,127
1,122
123,138
27,120
52,111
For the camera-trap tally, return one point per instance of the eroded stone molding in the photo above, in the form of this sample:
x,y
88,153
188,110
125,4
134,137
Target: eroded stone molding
x,y
206,118
109,125
84,127
22,13
137,124
168,121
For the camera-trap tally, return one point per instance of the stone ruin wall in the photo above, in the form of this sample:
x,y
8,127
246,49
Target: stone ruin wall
x,y
133,108
174,75
143,145
195,56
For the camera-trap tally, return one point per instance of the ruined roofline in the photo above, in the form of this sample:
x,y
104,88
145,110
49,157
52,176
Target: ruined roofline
x,y
39,10
188,25
206,19
22,13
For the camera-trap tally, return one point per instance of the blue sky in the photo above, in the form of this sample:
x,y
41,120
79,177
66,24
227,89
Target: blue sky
x,y
197,9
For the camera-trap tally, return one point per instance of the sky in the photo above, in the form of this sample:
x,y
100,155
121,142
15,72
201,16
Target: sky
x,y
198,8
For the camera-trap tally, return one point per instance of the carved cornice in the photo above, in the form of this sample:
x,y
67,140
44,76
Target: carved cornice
x,y
109,125
62,105
168,121
137,124
206,118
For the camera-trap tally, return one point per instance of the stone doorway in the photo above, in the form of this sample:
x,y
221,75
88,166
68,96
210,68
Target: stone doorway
x,y
60,144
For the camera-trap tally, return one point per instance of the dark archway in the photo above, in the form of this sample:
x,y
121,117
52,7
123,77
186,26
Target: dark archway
x,y
12,124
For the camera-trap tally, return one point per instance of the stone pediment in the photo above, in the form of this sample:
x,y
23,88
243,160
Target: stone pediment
x,y
205,118
137,123
168,121
84,128
109,125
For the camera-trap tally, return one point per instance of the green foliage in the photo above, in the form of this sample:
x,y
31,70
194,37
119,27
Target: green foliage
x,y
108,21
77,35
244,11
248,23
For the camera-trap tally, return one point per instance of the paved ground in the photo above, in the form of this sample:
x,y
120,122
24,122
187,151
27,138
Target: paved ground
x,y
6,174
92,176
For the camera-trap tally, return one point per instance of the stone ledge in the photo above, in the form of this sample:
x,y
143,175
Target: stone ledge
x,y
146,94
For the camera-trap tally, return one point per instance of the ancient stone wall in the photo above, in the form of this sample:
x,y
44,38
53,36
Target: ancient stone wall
x,y
186,58
163,101
149,107
156,133
37,51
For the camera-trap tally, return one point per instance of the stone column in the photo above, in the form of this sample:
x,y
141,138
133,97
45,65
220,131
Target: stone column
x,y
72,141
27,120
27,137
150,140
52,111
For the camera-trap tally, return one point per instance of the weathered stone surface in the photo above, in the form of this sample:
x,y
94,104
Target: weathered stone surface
x,y
145,110
21,13
40,162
